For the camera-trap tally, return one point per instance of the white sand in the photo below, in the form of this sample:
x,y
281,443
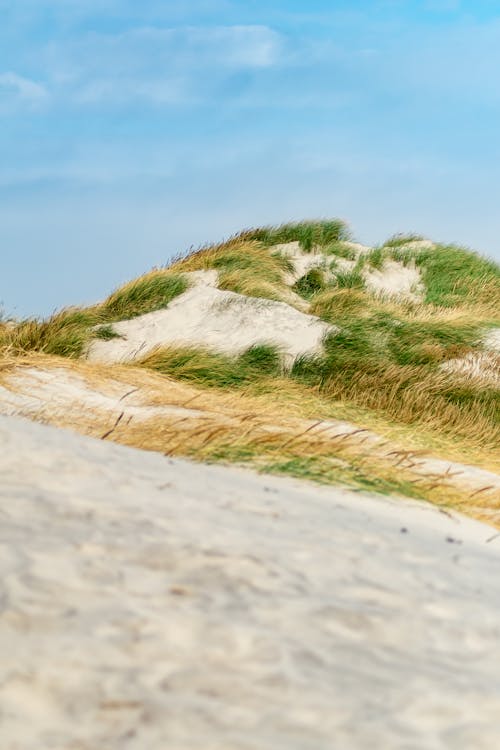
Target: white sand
x,y
303,262
480,365
492,340
153,603
483,366
219,320
209,277
47,394
395,280
419,245
358,248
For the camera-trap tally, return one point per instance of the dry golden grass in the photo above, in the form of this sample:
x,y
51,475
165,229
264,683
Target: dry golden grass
x,y
204,258
244,266
389,362
381,392
278,431
364,304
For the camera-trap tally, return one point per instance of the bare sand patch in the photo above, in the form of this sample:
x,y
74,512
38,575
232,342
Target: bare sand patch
x,y
395,280
483,366
224,321
302,262
492,340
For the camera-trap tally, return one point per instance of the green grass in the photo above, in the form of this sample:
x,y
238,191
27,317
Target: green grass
x,y
377,333
254,274
244,260
390,363
376,257
340,249
454,276
144,295
311,283
397,240
347,474
307,233
348,470
106,333
207,368
349,279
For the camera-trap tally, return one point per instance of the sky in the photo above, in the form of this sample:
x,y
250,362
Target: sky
x,y
131,132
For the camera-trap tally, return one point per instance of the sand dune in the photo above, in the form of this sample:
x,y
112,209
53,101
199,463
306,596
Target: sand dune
x,y
154,603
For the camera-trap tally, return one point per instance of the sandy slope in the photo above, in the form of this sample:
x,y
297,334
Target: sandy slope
x,y
230,323
152,603
224,321
67,396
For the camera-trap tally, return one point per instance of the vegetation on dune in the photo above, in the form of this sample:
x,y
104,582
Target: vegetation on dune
x,y
106,333
143,295
352,279
69,331
340,249
208,368
308,234
452,276
311,283
382,366
64,334
402,238
244,266
387,359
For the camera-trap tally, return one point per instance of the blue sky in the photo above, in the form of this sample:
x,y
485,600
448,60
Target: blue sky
x,y
131,131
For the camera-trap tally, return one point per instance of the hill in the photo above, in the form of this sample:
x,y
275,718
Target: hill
x,y
292,349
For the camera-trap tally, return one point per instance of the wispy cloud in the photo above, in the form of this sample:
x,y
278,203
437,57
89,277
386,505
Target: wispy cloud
x,y
163,66
16,88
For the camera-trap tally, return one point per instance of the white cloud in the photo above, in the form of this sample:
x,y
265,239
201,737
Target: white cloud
x,y
237,46
21,88
162,66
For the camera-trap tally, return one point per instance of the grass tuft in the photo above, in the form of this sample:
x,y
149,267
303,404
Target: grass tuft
x,y
106,333
455,276
149,293
349,279
308,233
341,250
402,238
207,368
311,283
65,333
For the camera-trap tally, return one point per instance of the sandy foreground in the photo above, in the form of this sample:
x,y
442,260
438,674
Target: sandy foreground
x,y
148,603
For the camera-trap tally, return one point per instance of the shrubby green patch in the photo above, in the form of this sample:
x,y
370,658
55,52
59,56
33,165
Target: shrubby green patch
x,y
308,233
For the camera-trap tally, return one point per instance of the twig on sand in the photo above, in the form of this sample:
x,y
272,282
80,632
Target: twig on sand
x,y
483,489
296,437
128,394
118,420
190,400
492,538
